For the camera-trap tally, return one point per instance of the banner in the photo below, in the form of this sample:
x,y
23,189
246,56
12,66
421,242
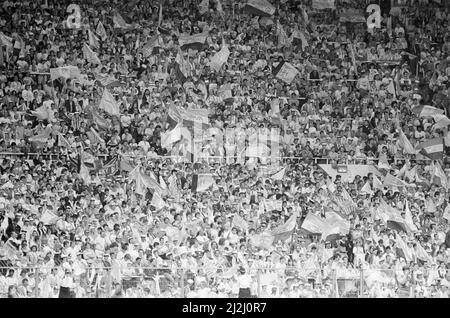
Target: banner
x,y
259,7
323,4
286,72
353,16
65,72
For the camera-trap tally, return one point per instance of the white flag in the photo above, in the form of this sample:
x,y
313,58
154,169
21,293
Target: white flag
x,y
219,58
108,103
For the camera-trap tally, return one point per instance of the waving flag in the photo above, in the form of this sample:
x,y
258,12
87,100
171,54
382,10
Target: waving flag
x,y
125,165
94,137
203,7
111,167
239,222
439,177
93,40
90,55
108,103
392,217
299,38
192,116
403,249
408,218
377,183
66,72
152,45
263,240
6,40
432,148
106,80
427,111
173,115
62,142
406,144
391,181
219,7
144,182
48,217
84,174
441,121
283,39
42,113
202,182
366,188
279,175
7,185
102,123
193,42
101,32
285,71
313,224
40,140
335,225
219,58
170,137
151,183
344,202
422,254
157,201
119,22
259,7
285,230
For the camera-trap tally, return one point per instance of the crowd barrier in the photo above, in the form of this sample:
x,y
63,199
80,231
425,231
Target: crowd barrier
x,y
210,281
316,160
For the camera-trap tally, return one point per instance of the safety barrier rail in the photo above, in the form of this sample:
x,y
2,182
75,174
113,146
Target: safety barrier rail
x,y
213,281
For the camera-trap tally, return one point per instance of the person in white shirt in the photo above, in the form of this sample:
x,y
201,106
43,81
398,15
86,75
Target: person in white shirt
x,y
245,282
66,284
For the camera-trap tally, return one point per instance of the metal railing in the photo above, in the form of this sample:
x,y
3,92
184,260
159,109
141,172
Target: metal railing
x,y
316,160
210,282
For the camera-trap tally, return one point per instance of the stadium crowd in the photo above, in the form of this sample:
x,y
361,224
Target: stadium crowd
x,y
104,191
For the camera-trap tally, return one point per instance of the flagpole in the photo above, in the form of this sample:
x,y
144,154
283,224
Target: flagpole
x,y
232,7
